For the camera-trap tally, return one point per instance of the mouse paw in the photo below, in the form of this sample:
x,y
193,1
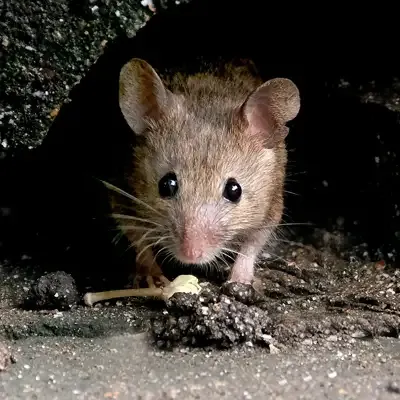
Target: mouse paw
x,y
151,281
242,292
148,272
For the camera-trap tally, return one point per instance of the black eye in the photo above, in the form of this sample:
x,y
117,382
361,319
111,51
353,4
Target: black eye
x,y
232,191
168,185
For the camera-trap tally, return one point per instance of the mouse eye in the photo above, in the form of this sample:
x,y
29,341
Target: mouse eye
x,y
168,185
232,190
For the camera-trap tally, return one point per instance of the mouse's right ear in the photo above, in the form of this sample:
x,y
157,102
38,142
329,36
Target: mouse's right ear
x,y
142,95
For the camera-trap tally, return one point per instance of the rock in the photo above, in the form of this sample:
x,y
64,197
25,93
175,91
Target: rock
x,y
5,357
56,290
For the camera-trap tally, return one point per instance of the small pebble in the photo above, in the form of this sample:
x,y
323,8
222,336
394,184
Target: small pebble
x,y
394,387
5,357
332,374
273,349
332,338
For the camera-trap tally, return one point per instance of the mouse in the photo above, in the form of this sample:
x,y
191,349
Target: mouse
x,y
208,166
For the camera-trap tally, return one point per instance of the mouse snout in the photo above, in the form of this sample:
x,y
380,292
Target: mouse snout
x,y
192,249
197,242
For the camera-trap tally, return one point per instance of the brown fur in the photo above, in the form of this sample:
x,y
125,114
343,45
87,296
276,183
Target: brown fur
x,y
202,128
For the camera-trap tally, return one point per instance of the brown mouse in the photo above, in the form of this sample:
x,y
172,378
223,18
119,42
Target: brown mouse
x,y
209,166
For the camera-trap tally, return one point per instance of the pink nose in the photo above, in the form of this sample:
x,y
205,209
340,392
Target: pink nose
x,y
192,248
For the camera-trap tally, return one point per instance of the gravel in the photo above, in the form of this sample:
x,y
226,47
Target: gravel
x,y
5,357
126,367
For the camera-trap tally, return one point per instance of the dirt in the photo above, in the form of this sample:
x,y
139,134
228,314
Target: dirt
x,y
126,367
5,357
308,295
325,322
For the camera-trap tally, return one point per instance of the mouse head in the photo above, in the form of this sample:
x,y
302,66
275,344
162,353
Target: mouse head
x,y
210,165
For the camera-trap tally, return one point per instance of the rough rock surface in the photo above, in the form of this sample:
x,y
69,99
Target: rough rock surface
x,y
56,290
308,295
45,49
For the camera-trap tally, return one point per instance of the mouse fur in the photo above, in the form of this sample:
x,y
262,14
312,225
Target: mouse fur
x,y
205,129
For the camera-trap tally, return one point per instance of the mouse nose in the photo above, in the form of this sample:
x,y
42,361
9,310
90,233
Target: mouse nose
x,y
198,239
193,246
191,254
192,249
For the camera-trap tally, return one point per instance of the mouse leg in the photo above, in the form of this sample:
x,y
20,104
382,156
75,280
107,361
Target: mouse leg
x,y
147,268
243,268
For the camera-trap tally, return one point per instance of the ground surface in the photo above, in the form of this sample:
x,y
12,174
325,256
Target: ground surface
x,y
125,367
320,328
325,325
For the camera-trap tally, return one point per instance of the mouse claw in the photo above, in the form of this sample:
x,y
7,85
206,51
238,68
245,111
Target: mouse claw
x,y
150,282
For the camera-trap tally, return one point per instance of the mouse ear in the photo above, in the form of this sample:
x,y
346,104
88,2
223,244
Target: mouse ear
x,y
266,111
142,95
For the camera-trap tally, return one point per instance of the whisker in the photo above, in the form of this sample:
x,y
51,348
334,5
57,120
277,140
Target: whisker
x,y
276,257
170,256
228,255
207,268
147,247
117,237
234,251
169,252
156,238
136,243
127,228
292,173
215,265
131,217
238,226
158,252
293,193
210,265
292,242
289,224
129,196
224,261
144,237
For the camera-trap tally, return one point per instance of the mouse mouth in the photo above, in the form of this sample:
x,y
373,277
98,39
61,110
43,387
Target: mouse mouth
x,y
200,259
195,258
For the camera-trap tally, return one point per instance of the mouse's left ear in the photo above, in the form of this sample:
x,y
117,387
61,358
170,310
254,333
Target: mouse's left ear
x,y
268,108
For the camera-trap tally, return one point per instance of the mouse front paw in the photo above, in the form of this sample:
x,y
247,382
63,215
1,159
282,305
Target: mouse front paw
x,y
150,281
148,272
243,292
